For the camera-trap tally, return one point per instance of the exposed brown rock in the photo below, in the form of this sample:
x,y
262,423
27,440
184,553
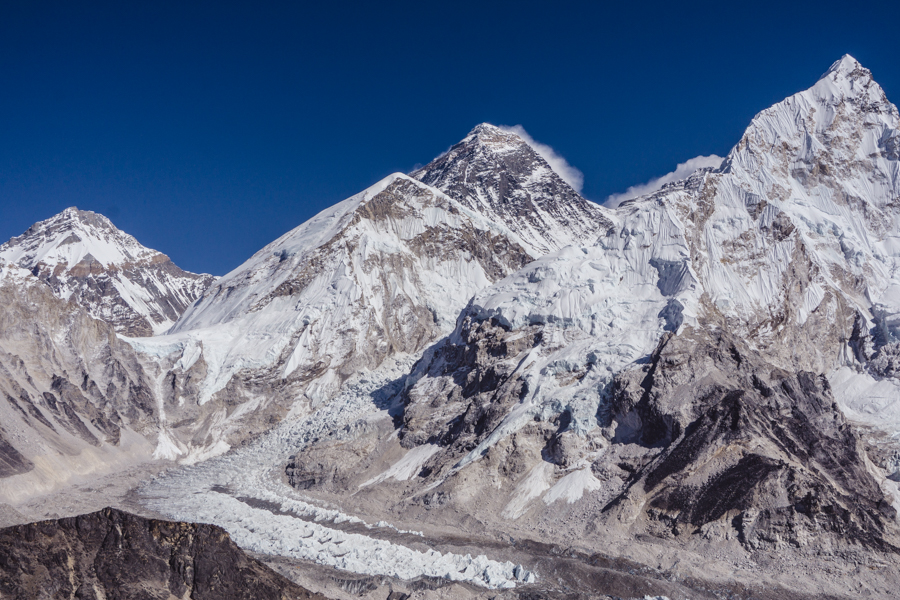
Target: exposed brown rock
x,y
112,554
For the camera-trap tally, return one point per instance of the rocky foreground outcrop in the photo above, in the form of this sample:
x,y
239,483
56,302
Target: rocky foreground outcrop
x,y
113,554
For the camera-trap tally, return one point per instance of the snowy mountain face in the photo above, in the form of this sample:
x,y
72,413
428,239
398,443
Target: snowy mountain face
x,y
377,277
497,174
84,258
678,381
793,249
672,378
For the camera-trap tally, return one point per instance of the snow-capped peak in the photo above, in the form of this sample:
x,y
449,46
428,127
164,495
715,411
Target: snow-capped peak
x,y
847,66
82,256
848,80
495,138
71,237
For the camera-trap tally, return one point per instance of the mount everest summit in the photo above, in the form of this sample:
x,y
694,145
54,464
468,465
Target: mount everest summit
x,y
702,382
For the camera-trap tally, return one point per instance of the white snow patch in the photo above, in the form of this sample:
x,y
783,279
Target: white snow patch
x,y
167,447
874,402
407,466
535,483
573,486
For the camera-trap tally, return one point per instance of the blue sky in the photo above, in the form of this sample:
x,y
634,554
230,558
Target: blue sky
x,y
208,129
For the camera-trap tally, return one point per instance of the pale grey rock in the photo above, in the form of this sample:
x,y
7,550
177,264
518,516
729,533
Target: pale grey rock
x,y
74,398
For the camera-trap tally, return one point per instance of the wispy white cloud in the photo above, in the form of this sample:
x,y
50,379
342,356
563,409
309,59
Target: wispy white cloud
x,y
560,166
682,171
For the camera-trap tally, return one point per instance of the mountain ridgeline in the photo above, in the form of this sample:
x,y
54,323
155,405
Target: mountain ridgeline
x,y
705,376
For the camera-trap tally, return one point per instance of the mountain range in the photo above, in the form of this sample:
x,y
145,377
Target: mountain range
x,y
694,394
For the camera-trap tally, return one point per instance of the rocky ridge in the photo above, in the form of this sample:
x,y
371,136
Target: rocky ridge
x,y
496,173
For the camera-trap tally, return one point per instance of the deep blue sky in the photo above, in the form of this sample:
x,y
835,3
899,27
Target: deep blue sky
x,y
208,129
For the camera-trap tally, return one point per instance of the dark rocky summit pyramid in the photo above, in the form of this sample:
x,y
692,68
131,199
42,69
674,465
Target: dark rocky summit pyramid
x,y
496,173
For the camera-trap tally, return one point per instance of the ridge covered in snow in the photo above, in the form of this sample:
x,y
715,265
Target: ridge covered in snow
x,y
83,257
792,243
791,246
382,273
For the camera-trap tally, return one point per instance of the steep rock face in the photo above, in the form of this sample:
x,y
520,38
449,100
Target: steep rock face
x,y
84,258
497,174
747,448
113,554
73,396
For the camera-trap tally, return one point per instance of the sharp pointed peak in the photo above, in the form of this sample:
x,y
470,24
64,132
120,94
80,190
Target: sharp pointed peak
x,y
491,134
486,128
86,217
847,67
848,79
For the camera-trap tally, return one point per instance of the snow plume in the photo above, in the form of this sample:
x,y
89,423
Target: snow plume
x,y
560,166
682,171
